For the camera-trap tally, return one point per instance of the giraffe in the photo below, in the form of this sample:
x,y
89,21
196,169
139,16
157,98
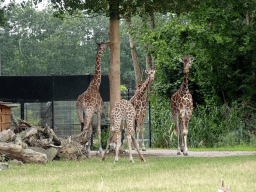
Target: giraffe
x,y
140,104
90,102
123,110
182,107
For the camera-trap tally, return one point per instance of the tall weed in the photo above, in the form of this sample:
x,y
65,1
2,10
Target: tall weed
x,y
209,126
225,125
161,122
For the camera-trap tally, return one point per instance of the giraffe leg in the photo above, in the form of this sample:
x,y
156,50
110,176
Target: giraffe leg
x,y
99,130
88,138
185,133
138,131
118,139
133,135
176,121
181,137
138,150
111,134
185,152
142,130
89,115
87,132
80,114
130,148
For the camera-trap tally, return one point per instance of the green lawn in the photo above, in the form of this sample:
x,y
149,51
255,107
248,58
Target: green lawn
x,y
157,174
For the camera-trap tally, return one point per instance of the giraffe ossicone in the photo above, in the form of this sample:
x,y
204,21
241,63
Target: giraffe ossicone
x,y
182,108
90,102
123,111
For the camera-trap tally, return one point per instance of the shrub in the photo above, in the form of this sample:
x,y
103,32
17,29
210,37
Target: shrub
x,y
209,126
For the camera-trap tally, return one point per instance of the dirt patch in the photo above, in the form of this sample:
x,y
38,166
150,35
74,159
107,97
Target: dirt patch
x,y
173,153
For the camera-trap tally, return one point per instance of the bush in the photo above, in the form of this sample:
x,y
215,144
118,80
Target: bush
x,y
162,123
104,139
209,126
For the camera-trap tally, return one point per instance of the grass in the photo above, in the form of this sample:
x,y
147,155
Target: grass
x,y
157,174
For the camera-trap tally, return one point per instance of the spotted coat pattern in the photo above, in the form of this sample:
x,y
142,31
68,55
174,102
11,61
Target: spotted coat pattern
x,y
140,104
182,108
90,101
123,111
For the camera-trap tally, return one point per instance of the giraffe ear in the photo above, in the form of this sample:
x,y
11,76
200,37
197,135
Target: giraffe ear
x,y
181,59
192,58
97,46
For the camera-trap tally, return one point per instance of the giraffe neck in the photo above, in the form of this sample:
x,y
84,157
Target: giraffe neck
x,y
144,86
140,93
96,80
184,85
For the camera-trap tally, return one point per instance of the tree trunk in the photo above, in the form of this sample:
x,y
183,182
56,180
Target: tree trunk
x,y
148,56
114,68
152,26
135,60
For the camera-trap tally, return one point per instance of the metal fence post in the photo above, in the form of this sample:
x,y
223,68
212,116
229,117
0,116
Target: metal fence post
x,y
22,110
52,101
149,123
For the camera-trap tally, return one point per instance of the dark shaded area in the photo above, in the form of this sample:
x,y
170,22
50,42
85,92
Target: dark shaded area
x,y
25,89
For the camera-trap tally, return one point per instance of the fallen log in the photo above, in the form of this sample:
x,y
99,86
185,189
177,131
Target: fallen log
x,y
13,151
10,147
37,144
7,136
71,150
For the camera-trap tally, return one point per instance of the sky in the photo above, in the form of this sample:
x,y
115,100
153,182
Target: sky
x,y
40,5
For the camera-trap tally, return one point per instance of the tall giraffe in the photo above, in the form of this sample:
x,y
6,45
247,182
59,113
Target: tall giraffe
x,y
140,104
90,102
123,110
182,108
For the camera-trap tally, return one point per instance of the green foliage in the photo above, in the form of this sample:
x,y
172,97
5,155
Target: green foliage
x,y
104,139
31,118
162,123
209,126
39,44
3,158
221,42
209,123
123,87
221,39
225,125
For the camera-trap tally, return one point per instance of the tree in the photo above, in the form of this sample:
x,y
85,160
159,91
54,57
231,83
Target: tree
x,y
112,8
222,42
135,59
33,43
2,13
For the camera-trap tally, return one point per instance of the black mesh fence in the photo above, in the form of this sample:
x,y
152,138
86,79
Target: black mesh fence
x,y
62,116
48,88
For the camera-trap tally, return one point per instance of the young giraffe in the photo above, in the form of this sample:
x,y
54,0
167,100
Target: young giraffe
x,y
182,107
90,102
140,104
123,110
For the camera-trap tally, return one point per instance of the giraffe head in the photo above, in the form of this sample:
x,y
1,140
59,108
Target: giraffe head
x,y
151,74
101,47
187,60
